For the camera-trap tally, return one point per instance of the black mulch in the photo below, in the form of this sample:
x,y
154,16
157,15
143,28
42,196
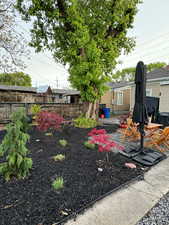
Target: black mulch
x,y
33,201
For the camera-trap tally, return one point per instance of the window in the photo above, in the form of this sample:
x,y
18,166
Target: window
x,y
148,92
119,98
60,96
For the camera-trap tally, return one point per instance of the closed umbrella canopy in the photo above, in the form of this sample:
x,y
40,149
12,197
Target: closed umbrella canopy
x,y
140,154
140,113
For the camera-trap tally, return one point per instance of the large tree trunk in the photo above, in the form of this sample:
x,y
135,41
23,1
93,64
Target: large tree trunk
x,y
93,114
91,111
88,113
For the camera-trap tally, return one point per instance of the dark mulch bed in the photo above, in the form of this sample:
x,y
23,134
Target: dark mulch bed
x,y
33,201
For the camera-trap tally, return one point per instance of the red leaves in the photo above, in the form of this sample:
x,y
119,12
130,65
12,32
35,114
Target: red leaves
x,y
102,139
97,132
48,120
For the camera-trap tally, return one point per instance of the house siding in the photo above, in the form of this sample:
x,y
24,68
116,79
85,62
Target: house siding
x,y
161,92
155,87
107,99
126,101
164,99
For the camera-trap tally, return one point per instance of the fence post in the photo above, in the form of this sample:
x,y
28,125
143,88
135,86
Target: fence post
x,y
10,108
26,108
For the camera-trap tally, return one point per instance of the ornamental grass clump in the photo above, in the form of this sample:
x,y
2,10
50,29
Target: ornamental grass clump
x,y
13,147
83,122
59,157
58,183
63,142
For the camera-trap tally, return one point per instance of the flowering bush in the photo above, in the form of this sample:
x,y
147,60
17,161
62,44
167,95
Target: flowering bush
x,y
96,132
48,120
103,141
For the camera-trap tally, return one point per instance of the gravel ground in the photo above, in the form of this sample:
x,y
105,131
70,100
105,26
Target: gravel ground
x,y
159,214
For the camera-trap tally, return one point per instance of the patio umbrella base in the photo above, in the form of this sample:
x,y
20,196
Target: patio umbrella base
x,y
148,157
130,151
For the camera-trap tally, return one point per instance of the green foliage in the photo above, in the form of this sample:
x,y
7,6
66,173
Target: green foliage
x,y
59,157
35,109
48,134
83,122
58,183
155,65
89,145
88,35
128,74
14,147
16,79
21,116
63,142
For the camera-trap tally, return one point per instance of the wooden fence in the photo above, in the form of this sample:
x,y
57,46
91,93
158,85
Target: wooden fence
x,y
68,111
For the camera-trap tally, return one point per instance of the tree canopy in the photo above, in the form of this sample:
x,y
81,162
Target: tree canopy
x,y
12,43
17,79
89,35
128,74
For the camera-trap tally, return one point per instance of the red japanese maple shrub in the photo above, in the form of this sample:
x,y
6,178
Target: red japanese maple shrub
x,y
48,120
103,141
97,132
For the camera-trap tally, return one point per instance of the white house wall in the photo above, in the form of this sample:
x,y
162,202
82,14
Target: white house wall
x,y
161,92
164,98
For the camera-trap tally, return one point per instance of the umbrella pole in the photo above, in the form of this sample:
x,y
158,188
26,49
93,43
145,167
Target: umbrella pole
x,y
142,137
142,128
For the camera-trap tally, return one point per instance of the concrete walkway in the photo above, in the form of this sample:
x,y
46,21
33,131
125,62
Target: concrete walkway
x,y
108,121
128,205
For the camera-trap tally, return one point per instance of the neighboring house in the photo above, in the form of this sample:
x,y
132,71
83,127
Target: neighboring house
x,y
117,98
121,95
157,86
59,95
73,96
17,94
44,94
66,96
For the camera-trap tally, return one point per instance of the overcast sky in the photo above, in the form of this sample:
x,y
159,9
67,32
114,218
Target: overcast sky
x,y
151,31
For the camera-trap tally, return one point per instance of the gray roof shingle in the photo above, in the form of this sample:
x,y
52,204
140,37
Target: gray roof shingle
x,y
118,84
158,73
162,73
17,88
66,91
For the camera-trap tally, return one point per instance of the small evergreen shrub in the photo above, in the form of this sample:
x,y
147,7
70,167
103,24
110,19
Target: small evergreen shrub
x,y
17,163
89,145
63,142
48,121
58,183
35,109
83,122
59,157
20,115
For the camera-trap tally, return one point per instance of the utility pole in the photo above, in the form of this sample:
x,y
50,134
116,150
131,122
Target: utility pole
x,y
57,83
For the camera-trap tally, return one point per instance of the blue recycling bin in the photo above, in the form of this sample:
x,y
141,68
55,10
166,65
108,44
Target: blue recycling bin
x,y
106,112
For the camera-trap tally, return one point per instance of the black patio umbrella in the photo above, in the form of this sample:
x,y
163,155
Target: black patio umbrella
x,y
145,156
140,114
